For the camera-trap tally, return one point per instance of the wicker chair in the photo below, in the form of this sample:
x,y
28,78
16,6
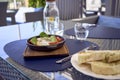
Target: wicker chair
x,y
69,9
9,72
107,21
3,13
25,14
36,15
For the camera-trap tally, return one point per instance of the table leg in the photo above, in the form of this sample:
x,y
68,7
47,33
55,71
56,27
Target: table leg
x,y
19,31
13,19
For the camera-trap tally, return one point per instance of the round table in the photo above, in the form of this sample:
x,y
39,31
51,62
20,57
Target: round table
x,y
99,32
16,49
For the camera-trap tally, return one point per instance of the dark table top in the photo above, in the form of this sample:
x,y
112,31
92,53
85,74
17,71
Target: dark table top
x,y
99,32
15,51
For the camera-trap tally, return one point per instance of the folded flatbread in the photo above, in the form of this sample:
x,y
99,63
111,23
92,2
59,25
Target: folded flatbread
x,y
106,62
104,68
96,55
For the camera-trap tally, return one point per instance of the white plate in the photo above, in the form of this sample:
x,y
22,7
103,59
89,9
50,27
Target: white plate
x,y
85,69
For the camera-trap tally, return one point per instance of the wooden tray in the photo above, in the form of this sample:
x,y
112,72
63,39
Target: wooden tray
x,y
63,51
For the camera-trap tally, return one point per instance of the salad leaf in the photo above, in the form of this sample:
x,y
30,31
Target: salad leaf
x,y
43,34
53,39
33,40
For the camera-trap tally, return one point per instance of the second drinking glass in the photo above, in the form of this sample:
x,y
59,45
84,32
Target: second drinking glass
x,y
81,32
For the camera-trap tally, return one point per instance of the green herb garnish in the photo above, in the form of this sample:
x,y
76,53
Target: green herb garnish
x,y
33,40
53,39
43,34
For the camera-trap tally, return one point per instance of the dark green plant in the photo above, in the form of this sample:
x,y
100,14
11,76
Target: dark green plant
x,y
36,3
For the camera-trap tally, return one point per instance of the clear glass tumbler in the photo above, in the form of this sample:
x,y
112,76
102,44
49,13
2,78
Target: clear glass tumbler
x,y
81,31
59,30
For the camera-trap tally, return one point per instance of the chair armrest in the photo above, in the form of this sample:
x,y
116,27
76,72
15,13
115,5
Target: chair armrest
x,y
34,16
91,20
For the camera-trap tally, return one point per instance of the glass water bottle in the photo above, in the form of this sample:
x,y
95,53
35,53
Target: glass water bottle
x,y
51,15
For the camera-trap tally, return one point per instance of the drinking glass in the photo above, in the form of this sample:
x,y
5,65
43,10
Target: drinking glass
x,y
57,30
81,31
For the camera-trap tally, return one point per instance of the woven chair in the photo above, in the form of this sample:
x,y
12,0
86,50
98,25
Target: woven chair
x,y
37,15
107,21
3,13
1,77
9,72
25,14
69,9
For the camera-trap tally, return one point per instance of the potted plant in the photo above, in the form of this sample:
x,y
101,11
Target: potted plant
x,y
36,3
39,5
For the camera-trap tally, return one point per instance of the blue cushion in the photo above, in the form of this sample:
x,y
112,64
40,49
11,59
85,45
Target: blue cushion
x,y
109,21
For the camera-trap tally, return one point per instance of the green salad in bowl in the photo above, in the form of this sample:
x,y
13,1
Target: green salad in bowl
x,y
45,42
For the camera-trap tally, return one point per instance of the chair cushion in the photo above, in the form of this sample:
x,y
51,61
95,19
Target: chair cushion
x,y
3,8
109,21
